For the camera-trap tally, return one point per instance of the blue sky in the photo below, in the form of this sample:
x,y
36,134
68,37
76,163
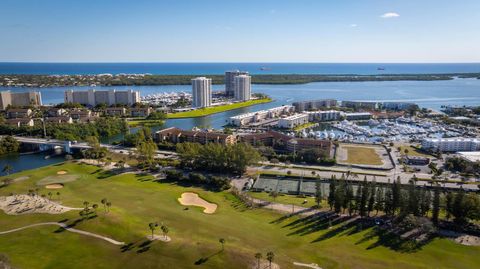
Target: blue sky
x,y
240,31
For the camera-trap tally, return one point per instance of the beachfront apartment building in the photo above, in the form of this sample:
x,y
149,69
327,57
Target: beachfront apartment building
x,y
96,97
230,81
324,115
201,92
310,105
253,117
243,88
293,121
19,99
451,144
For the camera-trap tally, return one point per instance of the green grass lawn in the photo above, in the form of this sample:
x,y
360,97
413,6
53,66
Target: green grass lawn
x,y
138,200
412,151
303,126
144,122
362,155
216,109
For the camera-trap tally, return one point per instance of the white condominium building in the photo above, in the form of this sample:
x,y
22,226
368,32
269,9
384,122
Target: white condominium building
x,y
244,119
451,144
108,97
243,90
327,115
293,121
230,81
19,99
201,92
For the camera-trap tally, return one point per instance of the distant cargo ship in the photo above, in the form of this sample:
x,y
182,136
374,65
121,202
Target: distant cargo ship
x,y
381,68
263,68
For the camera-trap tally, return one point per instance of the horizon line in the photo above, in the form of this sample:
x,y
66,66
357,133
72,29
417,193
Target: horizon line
x,y
221,62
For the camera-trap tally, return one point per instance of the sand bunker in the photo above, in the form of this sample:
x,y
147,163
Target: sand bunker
x,y
190,198
308,265
26,204
62,172
54,186
159,238
57,179
468,240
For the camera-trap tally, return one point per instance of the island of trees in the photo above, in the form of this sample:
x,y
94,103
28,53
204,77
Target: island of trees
x,y
14,80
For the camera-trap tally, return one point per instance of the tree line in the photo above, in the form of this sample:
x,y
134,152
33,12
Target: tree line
x,y
102,127
8,144
121,80
397,200
217,183
217,157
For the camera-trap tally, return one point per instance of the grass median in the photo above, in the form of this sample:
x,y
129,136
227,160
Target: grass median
x,y
216,109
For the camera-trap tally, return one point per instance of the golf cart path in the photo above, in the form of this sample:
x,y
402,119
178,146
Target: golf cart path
x,y
63,225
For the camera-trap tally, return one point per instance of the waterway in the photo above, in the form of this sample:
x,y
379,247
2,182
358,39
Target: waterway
x,y
428,94
21,162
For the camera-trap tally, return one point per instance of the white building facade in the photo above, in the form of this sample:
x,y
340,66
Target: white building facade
x,y
201,92
230,81
243,90
451,144
108,97
20,99
252,117
293,121
327,115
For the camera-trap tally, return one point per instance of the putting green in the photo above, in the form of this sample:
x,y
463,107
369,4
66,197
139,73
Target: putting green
x,y
57,179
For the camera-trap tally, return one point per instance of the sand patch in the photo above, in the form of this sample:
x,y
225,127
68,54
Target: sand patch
x,y
308,265
468,240
159,238
20,179
62,172
54,186
190,198
57,179
26,204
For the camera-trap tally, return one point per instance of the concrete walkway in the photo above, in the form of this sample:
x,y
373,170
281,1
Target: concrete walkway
x,y
65,226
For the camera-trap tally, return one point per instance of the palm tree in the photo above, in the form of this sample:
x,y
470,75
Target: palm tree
x,y
152,226
270,257
95,206
109,204
7,169
85,204
58,195
222,241
164,231
104,203
258,256
50,195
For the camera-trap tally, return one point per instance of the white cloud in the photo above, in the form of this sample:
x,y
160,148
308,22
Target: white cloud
x,y
389,15
353,25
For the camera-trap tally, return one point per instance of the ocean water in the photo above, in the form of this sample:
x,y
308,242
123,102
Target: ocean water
x,y
220,68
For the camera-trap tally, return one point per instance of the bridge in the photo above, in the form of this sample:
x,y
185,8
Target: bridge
x,y
45,144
